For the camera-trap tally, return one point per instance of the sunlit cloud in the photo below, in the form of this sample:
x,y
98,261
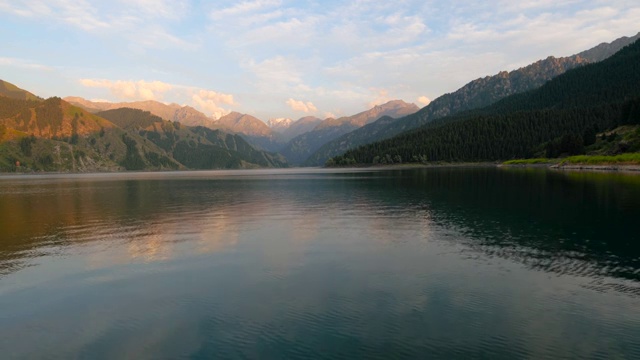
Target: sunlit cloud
x,y
130,90
423,100
381,97
343,55
216,97
209,102
302,106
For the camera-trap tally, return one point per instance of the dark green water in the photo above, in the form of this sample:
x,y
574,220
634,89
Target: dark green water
x,y
441,263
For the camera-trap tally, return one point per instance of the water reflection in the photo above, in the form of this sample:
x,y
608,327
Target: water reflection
x,y
443,262
579,223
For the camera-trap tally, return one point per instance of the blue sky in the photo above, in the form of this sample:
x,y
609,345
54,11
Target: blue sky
x,y
279,58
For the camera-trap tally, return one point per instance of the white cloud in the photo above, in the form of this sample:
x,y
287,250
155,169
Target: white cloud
x,y
130,90
136,21
278,74
298,105
381,97
337,53
423,100
244,8
207,101
209,106
216,97
167,9
78,13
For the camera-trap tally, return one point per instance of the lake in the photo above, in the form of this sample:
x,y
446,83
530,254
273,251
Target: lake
x,y
317,263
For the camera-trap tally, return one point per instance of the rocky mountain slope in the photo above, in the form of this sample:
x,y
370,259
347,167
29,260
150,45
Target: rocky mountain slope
x,y
279,125
299,148
195,147
300,127
476,94
54,135
243,124
560,118
186,115
254,130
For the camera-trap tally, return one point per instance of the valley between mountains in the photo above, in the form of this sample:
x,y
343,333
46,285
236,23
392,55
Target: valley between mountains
x,y
588,103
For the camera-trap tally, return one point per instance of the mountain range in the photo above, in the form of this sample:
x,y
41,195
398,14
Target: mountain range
x,y
54,135
476,94
277,135
300,147
75,134
560,118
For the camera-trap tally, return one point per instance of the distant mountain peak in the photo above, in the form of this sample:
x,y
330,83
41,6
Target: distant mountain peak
x,y
393,108
276,121
243,124
475,94
279,125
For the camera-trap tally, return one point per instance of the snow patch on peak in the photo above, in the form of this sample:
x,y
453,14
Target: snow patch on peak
x,y
281,123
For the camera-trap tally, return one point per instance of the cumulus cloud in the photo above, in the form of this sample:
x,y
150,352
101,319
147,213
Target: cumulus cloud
x,y
209,102
381,97
423,100
205,100
298,105
216,97
130,90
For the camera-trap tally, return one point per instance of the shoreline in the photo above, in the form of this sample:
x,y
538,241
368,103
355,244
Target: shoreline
x,y
580,167
634,169
604,167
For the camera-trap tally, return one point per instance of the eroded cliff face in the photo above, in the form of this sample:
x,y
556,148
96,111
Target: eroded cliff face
x,y
485,91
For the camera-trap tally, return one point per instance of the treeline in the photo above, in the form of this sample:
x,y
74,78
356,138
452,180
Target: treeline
x,y
236,145
10,107
49,113
128,118
553,120
194,147
548,133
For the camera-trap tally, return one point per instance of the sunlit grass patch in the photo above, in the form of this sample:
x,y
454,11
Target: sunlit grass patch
x,y
622,159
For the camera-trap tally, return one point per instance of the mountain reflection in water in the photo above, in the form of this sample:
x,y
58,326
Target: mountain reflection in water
x,y
377,263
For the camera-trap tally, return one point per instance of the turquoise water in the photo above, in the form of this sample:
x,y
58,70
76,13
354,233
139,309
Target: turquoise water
x,y
441,263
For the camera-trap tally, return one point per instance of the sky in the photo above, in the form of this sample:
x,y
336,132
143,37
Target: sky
x,y
280,58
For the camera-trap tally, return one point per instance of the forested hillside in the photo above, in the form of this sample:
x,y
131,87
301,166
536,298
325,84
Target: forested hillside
x,y
474,95
194,147
556,118
53,135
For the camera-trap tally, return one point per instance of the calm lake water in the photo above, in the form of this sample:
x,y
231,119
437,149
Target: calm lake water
x,y
443,263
